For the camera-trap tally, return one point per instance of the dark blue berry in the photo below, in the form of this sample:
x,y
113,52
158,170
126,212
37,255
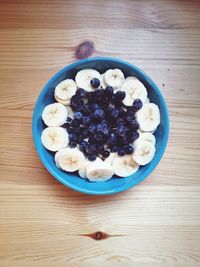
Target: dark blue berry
x,y
111,139
95,83
121,152
134,125
78,115
135,135
106,153
115,113
86,109
128,119
119,122
121,130
74,123
92,157
120,95
81,92
100,148
99,137
137,104
99,114
83,145
129,149
91,148
109,91
94,106
80,137
92,128
69,119
72,137
72,144
86,120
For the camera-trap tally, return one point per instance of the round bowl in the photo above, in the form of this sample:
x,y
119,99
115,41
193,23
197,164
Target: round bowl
x,y
72,180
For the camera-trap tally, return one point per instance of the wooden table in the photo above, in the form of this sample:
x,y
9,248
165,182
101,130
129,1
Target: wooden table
x,y
43,223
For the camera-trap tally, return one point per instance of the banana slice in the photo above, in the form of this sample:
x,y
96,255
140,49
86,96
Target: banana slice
x,y
65,103
54,114
54,138
99,171
148,137
65,90
124,166
70,159
144,152
114,78
83,78
82,170
70,112
57,155
148,117
134,89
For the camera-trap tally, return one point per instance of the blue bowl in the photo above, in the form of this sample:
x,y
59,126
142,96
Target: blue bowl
x,y
72,180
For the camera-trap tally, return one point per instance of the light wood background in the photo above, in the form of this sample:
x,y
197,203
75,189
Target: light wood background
x,y
43,223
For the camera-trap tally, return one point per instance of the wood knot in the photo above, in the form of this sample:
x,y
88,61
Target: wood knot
x,y
84,49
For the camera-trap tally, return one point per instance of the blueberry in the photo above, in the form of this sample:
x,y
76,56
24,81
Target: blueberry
x,y
91,148
121,130
69,119
92,157
78,115
99,137
86,132
106,153
83,145
137,104
94,106
134,125
128,119
129,149
115,113
95,83
120,95
92,128
111,139
74,123
72,144
99,114
122,112
119,122
121,151
81,92
109,91
100,148
80,137
130,113
135,135
72,137
86,121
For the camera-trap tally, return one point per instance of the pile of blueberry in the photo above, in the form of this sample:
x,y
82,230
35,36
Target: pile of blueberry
x,y
102,123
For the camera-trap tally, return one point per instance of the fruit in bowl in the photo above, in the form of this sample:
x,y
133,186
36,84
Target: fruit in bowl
x,y
102,122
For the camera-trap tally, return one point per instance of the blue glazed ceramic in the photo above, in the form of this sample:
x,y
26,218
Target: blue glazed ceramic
x,y
72,180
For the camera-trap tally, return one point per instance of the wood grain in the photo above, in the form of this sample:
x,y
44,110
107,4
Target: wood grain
x,y
43,223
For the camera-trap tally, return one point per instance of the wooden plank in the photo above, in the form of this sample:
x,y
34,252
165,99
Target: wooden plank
x,y
100,14
145,232
40,49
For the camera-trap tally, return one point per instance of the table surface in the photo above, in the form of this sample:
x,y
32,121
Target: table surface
x,y
43,223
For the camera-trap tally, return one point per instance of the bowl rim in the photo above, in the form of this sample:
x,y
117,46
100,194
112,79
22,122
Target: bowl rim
x,y
125,186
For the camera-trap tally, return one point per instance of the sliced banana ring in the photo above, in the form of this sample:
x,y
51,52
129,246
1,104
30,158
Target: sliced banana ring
x,y
114,78
82,170
99,171
124,166
83,78
148,117
54,114
65,103
65,90
147,137
70,160
134,89
143,152
54,138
